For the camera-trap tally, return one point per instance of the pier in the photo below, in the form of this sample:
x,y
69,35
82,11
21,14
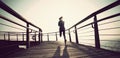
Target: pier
x,y
38,48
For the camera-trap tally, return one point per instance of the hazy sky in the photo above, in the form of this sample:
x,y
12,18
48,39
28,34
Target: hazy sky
x,y
45,13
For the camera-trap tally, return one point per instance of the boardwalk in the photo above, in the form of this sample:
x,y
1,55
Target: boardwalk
x,y
9,48
59,50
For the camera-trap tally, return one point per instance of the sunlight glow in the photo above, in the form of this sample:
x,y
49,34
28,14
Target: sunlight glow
x,y
45,13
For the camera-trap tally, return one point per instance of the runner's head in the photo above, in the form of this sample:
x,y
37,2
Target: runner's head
x,y
60,18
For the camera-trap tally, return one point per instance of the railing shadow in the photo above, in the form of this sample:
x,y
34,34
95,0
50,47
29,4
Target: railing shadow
x,y
94,52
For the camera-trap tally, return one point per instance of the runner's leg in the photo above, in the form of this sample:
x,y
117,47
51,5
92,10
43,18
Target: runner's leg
x,y
60,33
64,36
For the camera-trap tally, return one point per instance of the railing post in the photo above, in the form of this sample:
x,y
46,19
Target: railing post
x,y
8,36
23,36
27,36
17,36
56,37
39,36
96,32
48,36
76,35
35,36
69,35
4,37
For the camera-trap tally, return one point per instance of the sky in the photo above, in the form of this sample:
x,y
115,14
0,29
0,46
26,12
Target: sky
x,y
45,13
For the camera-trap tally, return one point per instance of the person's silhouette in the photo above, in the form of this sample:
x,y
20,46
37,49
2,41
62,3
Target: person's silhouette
x,y
62,28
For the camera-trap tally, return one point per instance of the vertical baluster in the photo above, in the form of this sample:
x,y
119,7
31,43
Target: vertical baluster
x,y
56,37
17,36
96,32
69,36
76,35
23,36
35,37
4,37
27,36
48,36
8,36
39,36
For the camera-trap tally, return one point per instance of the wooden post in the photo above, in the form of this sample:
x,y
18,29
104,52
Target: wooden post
x,y
76,35
69,36
39,36
27,36
8,36
17,36
56,37
48,36
96,32
4,37
35,37
23,36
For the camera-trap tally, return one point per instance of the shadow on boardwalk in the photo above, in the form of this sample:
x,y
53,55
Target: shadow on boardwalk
x,y
65,53
59,50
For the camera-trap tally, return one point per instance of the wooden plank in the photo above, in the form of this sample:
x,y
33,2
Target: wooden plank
x,y
59,50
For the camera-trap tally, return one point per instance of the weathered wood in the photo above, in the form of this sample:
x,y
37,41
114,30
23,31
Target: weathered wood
x,y
59,50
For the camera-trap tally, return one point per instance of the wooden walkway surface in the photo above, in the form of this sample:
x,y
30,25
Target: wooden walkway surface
x,y
59,50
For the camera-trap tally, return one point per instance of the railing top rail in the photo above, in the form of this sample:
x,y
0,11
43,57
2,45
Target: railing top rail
x,y
11,32
14,13
98,12
14,22
115,15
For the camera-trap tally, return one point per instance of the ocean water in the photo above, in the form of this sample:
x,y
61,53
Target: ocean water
x,y
109,44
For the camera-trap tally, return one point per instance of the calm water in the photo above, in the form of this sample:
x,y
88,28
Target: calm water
x,y
111,44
